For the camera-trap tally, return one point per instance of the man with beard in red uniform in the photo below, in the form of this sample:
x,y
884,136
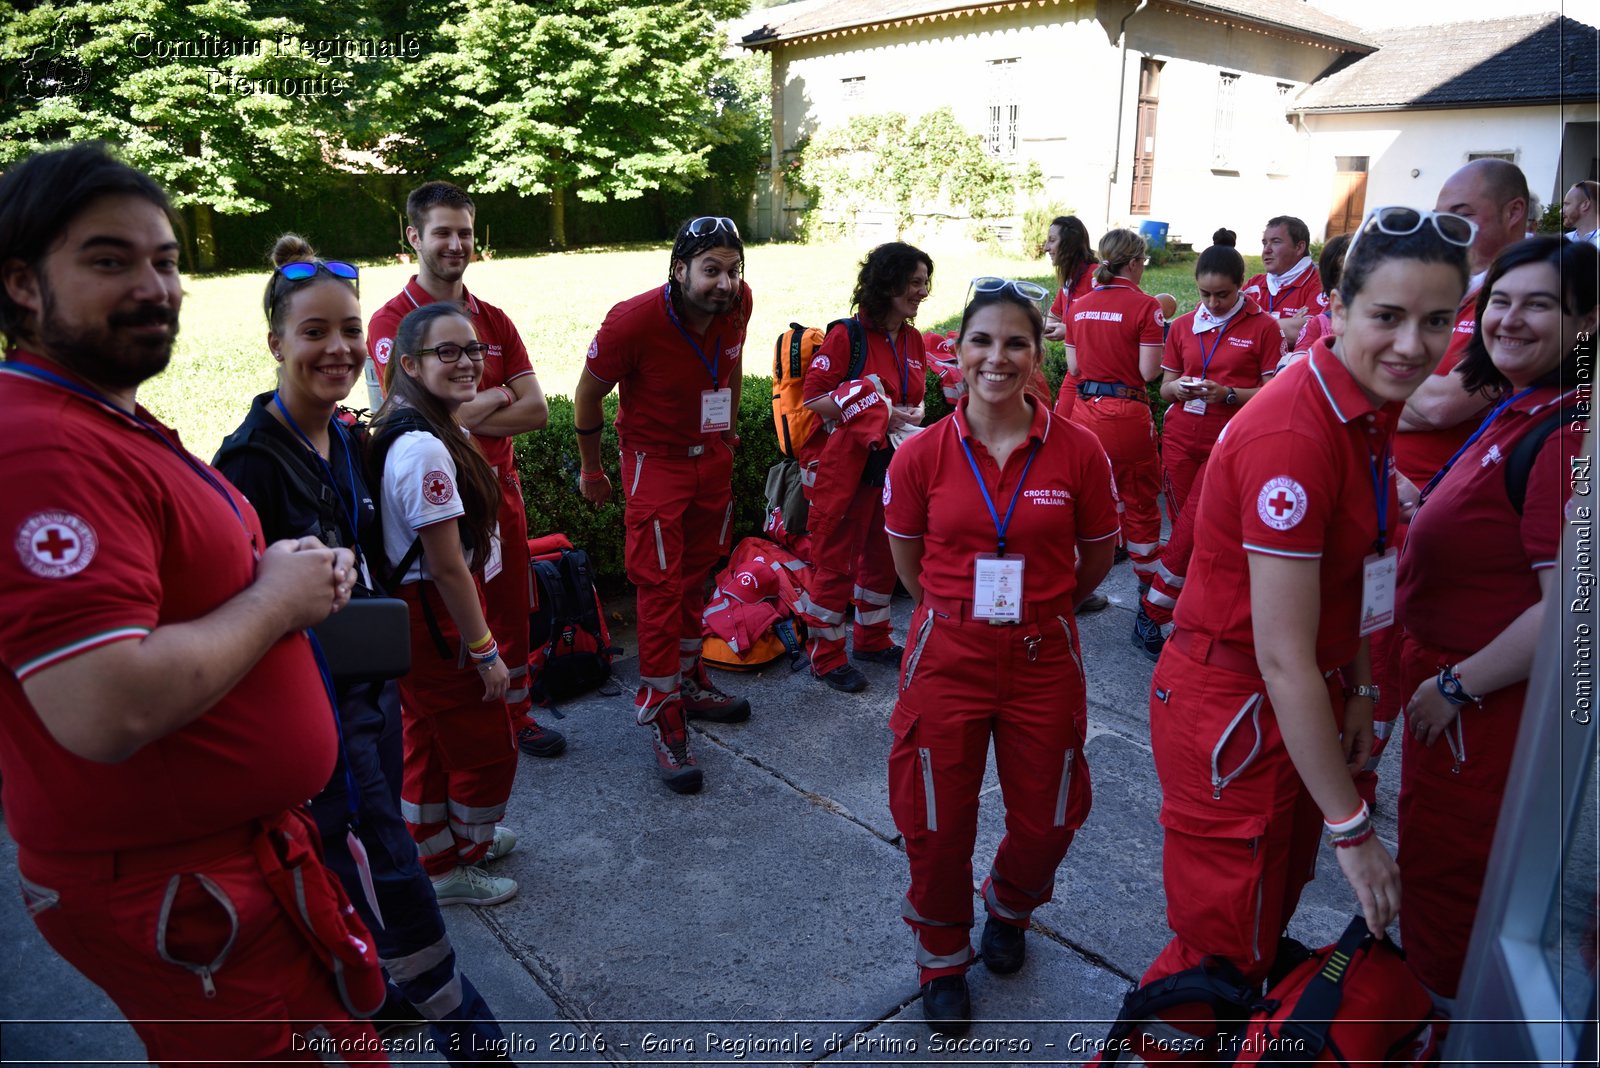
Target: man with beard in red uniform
x,y
440,219
162,716
674,351
1290,290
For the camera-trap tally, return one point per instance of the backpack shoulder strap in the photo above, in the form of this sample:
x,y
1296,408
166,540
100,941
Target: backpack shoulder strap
x,y
579,574
291,463
1214,983
858,345
1519,465
797,335
1319,1001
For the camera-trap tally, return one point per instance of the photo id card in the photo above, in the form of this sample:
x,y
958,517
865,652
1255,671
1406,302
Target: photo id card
x,y
1377,590
716,410
1196,406
997,588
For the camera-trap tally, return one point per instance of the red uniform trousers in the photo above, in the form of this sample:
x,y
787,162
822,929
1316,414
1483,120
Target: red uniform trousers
x,y
850,563
460,750
1384,648
265,997
1166,581
1240,829
961,682
1067,397
507,596
679,511
1128,435
1448,812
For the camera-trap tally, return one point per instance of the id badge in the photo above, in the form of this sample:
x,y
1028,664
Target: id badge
x,y
1377,590
492,566
716,410
997,588
1196,406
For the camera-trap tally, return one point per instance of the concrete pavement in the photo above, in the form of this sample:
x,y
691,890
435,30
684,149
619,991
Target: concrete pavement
x,y
759,921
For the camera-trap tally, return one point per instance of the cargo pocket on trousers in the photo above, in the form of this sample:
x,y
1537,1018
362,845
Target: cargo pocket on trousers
x,y
912,797
1214,870
37,898
197,927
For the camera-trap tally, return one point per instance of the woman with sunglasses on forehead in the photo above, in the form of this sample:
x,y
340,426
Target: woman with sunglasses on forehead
x,y
1114,339
1001,519
863,414
304,472
1254,740
1480,556
439,499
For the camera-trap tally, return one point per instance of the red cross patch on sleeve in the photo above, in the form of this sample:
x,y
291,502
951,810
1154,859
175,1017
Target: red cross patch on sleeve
x,y
437,487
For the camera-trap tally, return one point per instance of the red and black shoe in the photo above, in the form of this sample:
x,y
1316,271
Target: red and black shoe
x,y
702,700
669,734
539,741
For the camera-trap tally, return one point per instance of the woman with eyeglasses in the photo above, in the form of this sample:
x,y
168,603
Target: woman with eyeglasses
x,y
866,381
303,469
1481,555
1072,255
1255,741
1114,339
439,498
1001,519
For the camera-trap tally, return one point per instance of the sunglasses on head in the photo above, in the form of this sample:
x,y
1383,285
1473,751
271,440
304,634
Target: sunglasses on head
x,y
1028,291
710,224
302,269
1399,221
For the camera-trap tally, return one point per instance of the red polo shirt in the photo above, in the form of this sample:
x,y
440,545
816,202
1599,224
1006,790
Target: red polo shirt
x,y
1240,353
507,358
663,369
1418,454
1292,477
109,535
932,494
900,364
1470,562
1106,327
1075,288
1302,296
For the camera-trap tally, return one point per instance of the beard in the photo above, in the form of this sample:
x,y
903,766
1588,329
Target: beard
x,y
104,353
708,302
439,270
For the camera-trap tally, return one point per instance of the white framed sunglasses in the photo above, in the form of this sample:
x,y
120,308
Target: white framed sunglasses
x,y
1398,221
1032,292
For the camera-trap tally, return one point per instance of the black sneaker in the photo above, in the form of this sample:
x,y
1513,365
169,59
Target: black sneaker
x,y
946,1005
1095,602
890,656
702,700
1147,636
845,679
541,741
1119,555
1004,946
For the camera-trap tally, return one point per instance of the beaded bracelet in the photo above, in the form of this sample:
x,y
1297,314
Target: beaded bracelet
x,y
485,663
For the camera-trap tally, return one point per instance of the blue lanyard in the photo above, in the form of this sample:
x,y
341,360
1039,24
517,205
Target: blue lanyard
x,y
899,363
713,366
1379,467
327,468
1476,434
999,527
1223,329
194,465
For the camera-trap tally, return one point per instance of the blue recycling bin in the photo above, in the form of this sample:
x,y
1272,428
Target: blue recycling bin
x,y
1154,234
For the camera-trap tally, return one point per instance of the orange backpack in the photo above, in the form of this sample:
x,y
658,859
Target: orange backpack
x,y
794,422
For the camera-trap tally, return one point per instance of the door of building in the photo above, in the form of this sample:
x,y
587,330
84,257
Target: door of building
x,y
1144,145
1349,194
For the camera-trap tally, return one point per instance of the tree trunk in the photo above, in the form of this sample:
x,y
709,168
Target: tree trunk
x,y
558,217
205,240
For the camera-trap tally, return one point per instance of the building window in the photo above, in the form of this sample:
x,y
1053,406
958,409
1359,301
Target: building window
x,y
1282,142
853,89
1509,157
1222,152
1005,108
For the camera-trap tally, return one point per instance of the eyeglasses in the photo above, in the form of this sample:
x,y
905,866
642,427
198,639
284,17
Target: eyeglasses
x,y
303,269
710,224
1399,221
1029,291
450,352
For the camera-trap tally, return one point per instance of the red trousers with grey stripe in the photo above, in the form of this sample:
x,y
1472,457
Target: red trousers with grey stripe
x,y
508,594
850,564
678,517
460,750
1128,435
1184,482
961,684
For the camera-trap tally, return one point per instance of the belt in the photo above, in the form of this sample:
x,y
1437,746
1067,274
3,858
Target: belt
x,y
1087,390
1206,650
1031,612
670,451
111,863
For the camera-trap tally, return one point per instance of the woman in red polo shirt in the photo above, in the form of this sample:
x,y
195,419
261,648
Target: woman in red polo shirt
x,y
1254,743
1071,254
1473,576
1113,336
976,508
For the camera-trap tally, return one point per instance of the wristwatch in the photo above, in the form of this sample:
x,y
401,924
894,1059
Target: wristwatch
x,y
1231,398
1365,691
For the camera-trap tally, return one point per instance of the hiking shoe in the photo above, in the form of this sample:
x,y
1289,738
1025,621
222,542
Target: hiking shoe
x,y
670,736
946,1004
505,840
473,886
1147,636
1119,555
890,656
845,679
1004,946
1095,602
702,700
541,741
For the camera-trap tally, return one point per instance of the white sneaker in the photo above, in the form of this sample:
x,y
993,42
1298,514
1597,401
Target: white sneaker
x,y
473,886
505,840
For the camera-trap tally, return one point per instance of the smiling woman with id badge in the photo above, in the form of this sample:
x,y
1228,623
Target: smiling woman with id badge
x,y
1001,519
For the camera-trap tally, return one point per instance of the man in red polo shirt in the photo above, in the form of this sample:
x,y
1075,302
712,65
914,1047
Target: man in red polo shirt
x,y
1290,289
509,402
674,351
162,716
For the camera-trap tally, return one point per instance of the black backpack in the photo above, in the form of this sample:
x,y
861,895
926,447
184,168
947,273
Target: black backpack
x,y
569,641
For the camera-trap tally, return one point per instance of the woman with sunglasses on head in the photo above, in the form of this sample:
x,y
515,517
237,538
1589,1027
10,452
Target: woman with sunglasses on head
x,y
863,409
1114,339
1480,556
1001,518
1072,255
439,498
304,472
1254,740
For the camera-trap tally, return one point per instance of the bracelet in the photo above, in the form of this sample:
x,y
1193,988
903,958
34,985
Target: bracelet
x,y
585,431
486,654
1350,822
482,643
1354,838
1451,689
511,398
597,475
487,662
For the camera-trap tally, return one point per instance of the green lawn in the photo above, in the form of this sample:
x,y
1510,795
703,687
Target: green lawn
x,y
557,300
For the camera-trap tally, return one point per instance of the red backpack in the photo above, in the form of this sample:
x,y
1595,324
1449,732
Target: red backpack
x,y
569,641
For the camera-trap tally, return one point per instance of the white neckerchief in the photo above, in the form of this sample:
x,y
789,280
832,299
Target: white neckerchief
x,y
1204,320
1276,282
